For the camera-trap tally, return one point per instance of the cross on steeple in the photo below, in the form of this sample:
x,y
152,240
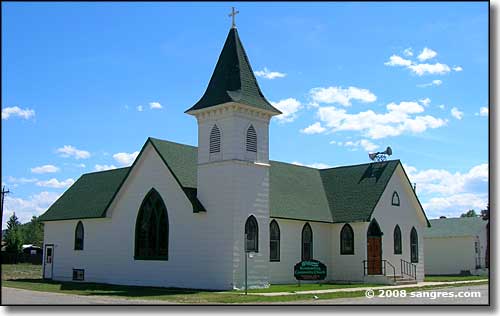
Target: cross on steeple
x,y
232,15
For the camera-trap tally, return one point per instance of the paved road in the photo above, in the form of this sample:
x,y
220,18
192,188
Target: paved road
x,y
481,289
13,296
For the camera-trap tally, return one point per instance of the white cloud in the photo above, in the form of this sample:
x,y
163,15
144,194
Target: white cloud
x,y
45,169
483,111
405,107
395,121
426,53
34,205
364,143
70,151
432,69
442,106
155,105
125,159
17,111
315,128
444,182
140,108
457,68
396,60
54,183
450,193
408,52
454,205
266,73
425,101
104,167
316,165
420,69
289,107
456,113
436,83
341,96
21,180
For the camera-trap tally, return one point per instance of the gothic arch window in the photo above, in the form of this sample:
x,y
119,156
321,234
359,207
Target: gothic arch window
x,y
307,242
414,245
395,198
79,236
151,229
251,140
215,137
347,240
397,241
274,241
252,234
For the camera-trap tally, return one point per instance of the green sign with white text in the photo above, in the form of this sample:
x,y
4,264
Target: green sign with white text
x,y
310,270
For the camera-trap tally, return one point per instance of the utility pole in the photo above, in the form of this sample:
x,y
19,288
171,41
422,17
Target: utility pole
x,y
4,192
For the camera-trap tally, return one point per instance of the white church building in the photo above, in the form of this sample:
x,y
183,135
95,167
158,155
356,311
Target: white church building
x,y
183,216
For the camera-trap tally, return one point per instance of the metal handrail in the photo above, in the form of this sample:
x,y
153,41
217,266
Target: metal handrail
x,y
384,268
408,269
393,269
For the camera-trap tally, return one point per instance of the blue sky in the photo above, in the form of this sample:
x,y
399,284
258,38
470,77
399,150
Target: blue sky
x,y
85,84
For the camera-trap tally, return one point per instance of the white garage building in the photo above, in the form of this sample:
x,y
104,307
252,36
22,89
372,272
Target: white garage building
x,y
456,246
179,215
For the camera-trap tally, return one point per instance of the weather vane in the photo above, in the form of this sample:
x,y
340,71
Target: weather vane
x,y
233,15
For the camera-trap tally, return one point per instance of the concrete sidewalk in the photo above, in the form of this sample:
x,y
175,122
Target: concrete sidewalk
x,y
354,289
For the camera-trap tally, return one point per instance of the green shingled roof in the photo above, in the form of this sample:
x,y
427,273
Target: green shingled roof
x,y
342,194
456,227
88,197
233,79
353,191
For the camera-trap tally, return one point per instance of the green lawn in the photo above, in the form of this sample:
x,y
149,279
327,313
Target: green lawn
x,y
27,276
308,287
21,271
445,278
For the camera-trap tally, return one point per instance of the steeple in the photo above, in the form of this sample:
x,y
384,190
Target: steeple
x,y
233,80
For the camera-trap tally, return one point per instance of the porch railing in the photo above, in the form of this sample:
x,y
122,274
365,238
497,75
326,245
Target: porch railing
x,y
385,263
409,269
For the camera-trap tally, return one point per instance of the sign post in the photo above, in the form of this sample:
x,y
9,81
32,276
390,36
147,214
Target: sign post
x,y
246,265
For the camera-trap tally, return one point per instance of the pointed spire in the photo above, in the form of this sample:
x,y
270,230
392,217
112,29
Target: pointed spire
x,y
233,79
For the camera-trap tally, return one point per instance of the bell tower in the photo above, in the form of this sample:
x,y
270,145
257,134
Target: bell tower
x,y
233,164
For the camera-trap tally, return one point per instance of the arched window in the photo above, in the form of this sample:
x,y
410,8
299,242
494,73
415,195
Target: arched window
x,y
151,229
347,240
414,245
395,199
215,140
251,139
307,242
79,236
252,234
274,241
397,240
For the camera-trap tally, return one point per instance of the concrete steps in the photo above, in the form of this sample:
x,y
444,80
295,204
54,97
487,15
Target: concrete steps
x,y
401,280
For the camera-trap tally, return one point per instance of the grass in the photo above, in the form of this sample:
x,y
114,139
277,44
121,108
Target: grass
x,y
445,278
308,287
21,271
27,276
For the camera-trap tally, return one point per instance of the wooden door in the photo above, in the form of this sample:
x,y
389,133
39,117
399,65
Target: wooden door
x,y
374,255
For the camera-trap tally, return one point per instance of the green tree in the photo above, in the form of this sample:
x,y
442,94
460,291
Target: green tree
x,y
13,236
470,213
32,232
485,214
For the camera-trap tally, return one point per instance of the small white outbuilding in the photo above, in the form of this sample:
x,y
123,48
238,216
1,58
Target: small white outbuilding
x,y
455,246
